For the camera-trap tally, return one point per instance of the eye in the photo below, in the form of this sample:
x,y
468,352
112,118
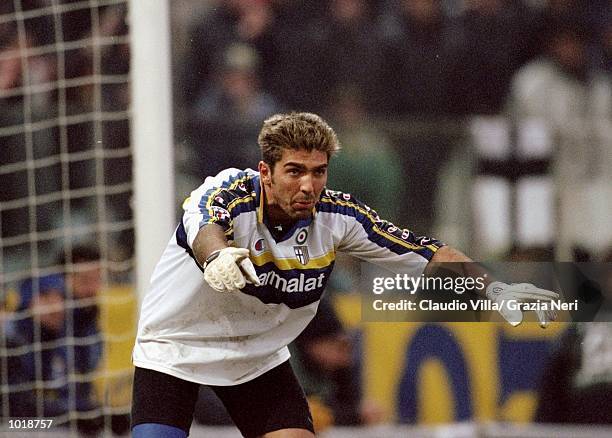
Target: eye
x,y
293,172
320,172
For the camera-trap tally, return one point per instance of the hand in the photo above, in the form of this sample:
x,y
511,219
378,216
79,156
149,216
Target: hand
x,y
230,270
501,293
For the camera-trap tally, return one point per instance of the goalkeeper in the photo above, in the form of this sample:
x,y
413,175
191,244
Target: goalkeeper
x,y
243,274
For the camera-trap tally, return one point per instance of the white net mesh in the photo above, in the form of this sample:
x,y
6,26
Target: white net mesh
x,y
65,167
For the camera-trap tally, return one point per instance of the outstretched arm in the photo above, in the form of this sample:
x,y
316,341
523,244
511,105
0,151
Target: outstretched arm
x,y
378,241
453,259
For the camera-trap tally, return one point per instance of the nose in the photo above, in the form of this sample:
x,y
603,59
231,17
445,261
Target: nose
x,y
306,184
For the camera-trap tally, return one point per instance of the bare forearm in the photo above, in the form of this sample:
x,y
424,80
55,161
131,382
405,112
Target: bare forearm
x,y
448,258
210,238
447,254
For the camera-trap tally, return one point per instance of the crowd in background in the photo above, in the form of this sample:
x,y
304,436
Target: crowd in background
x,y
404,57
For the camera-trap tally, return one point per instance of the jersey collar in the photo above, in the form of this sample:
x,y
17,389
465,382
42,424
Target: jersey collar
x,y
259,199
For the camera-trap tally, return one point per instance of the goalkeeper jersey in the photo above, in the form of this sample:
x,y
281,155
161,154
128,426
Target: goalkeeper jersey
x,y
189,330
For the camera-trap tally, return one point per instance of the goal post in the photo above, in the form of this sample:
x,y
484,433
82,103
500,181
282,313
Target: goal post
x,y
152,139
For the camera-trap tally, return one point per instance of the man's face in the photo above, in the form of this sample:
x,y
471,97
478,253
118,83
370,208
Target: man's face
x,y
86,280
50,309
569,50
294,185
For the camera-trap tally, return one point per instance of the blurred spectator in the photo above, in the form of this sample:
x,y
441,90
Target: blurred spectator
x,y
577,10
10,66
232,21
40,69
493,39
323,360
367,164
229,114
57,323
294,74
17,109
115,60
44,322
572,102
83,283
577,382
603,55
561,85
13,147
235,94
348,51
576,385
417,43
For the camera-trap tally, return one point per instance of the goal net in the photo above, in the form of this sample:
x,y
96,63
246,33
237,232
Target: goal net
x,y
67,229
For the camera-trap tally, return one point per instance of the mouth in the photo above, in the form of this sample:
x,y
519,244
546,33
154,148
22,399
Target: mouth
x,y
304,205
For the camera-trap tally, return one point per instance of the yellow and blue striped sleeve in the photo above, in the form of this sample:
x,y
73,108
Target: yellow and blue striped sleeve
x,y
218,201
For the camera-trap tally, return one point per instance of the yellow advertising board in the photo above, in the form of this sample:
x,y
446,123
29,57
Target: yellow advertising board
x,y
444,372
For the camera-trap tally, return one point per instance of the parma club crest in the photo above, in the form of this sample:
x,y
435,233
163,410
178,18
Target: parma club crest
x,y
301,252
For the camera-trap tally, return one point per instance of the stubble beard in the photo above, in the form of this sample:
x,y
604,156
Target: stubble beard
x,y
286,207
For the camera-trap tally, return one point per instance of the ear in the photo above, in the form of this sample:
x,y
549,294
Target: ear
x,y
264,172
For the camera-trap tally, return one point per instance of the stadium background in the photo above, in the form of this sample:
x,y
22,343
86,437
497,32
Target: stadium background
x,y
432,123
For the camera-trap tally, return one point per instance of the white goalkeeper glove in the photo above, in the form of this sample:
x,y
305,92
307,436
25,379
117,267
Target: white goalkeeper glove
x,y
229,269
502,293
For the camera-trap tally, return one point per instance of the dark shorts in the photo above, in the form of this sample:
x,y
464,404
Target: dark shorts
x,y
272,401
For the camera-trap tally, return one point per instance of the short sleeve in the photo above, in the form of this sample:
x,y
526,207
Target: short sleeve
x,y
212,202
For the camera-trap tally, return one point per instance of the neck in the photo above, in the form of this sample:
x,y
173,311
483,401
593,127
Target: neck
x,y
274,213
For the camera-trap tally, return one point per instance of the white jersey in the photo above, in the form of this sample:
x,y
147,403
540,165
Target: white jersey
x,y
192,332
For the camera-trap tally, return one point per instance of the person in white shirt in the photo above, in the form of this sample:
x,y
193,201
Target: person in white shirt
x,y
243,274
